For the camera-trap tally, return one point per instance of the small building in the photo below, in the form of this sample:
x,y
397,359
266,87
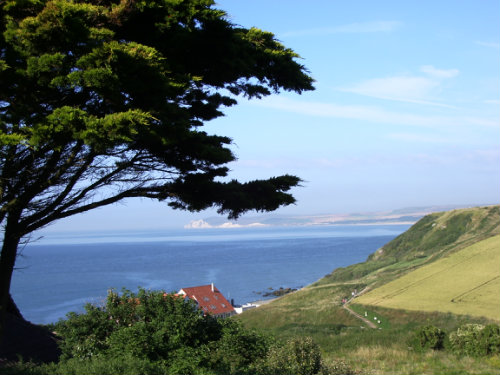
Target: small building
x,y
210,300
245,307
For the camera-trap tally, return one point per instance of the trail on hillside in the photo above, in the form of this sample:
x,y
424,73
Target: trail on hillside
x,y
368,322
355,314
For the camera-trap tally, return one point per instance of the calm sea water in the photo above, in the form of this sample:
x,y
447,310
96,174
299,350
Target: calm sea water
x,y
61,273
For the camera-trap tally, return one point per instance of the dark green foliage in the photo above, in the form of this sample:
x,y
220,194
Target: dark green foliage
x,y
239,349
147,325
103,365
489,340
22,368
476,340
428,337
297,356
158,333
85,334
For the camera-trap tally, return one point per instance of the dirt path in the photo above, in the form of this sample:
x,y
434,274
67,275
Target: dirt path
x,y
353,313
368,322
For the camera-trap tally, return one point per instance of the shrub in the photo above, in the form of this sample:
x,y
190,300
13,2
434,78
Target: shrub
x,y
299,356
238,349
476,340
489,340
186,361
464,341
84,335
428,337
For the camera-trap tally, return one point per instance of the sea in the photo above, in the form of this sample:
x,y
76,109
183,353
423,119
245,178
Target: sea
x,y
62,272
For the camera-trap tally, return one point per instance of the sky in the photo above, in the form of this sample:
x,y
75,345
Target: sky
x,y
406,111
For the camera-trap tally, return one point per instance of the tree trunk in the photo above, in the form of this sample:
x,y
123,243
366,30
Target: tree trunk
x,y
12,236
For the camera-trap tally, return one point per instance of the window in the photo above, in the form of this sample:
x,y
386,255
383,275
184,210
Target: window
x,y
213,307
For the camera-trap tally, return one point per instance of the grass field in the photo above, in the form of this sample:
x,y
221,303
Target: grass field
x,y
466,282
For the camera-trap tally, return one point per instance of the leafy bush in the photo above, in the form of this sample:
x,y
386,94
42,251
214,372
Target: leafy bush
x,y
297,356
428,337
158,333
476,340
464,340
85,335
144,325
238,349
489,340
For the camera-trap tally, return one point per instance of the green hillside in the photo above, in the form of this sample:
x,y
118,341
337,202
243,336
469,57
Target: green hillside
x,y
317,311
429,239
465,282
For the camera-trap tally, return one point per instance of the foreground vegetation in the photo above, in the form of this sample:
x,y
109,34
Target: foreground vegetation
x,y
317,310
158,333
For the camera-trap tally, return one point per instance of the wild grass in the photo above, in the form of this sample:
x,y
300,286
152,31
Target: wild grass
x,y
385,360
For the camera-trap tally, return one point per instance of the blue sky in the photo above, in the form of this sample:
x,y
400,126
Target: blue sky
x,y
406,110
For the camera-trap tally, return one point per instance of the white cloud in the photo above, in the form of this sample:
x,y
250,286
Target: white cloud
x,y
488,158
489,44
399,88
439,73
406,88
197,224
493,101
369,114
353,28
409,137
202,224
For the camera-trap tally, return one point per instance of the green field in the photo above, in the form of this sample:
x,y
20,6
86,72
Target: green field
x,y
466,282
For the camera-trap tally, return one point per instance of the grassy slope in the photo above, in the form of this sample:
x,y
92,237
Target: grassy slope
x,y
431,238
465,282
316,310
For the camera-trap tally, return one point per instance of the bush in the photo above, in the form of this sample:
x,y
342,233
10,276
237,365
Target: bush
x,y
465,339
238,349
299,356
84,335
489,340
476,340
428,337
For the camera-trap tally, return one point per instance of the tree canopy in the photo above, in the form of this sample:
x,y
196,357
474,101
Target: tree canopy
x,y
103,100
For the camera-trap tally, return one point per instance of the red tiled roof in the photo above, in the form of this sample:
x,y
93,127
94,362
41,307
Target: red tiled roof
x,y
210,300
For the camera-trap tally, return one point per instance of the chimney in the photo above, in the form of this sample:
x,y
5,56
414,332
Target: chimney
x,y
213,290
